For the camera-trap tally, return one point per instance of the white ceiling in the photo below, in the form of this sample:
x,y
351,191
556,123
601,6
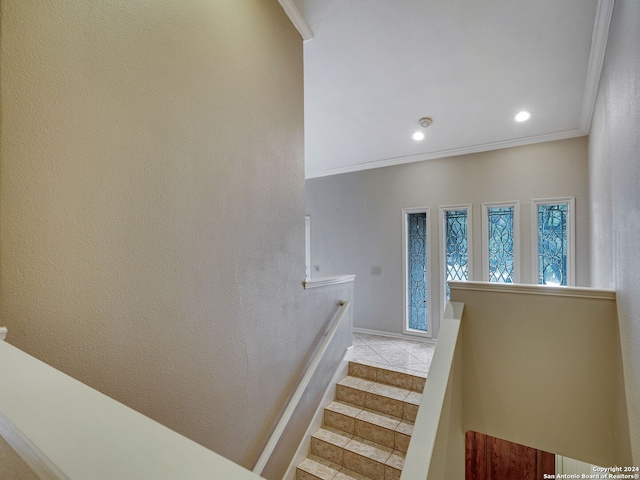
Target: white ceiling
x,y
375,67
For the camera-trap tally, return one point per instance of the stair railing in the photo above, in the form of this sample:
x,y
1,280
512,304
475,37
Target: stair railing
x,y
300,390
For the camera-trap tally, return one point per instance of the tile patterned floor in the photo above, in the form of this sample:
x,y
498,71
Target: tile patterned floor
x,y
408,356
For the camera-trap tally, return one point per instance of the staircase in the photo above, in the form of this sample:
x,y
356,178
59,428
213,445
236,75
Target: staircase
x,y
366,430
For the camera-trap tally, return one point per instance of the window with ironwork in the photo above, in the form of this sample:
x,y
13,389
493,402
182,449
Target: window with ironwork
x,y
500,231
456,243
554,235
416,284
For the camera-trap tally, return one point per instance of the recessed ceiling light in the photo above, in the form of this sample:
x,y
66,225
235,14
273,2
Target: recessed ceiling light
x,y
522,116
417,136
424,122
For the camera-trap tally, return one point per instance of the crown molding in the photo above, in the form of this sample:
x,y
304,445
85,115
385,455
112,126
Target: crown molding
x,y
297,19
485,147
596,60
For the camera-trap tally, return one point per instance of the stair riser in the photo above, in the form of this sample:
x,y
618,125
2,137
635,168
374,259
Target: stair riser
x,y
402,442
341,422
378,403
383,404
375,433
327,450
364,465
350,395
388,377
302,475
391,473
410,411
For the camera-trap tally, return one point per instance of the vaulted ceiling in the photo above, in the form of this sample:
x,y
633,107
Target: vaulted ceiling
x,y
374,68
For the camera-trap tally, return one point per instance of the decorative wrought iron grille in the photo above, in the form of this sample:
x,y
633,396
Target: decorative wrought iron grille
x,y
552,244
417,270
456,246
501,242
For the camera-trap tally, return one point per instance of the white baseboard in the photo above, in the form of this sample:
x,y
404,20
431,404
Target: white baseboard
x,y
430,341
316,422
3,333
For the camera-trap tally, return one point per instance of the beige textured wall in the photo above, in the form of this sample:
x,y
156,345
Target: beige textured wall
x,y
12,467
356,218
614,163
152,207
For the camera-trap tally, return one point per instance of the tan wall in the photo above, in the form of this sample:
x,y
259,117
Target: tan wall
x,y
542,371
12,467
152,207
614,167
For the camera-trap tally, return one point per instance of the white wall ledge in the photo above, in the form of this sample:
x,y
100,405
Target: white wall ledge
x,y
3,333
64,429
325,281
528,289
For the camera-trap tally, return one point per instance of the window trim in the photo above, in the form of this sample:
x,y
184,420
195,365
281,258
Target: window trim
x,y
443,241
516,237
571,236
405,270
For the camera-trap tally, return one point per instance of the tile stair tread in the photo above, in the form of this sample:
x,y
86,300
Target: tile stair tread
x,y
346,474
396,460
361,446
319,467
344,408
414,397
369,449
405,427
356,383
381,389
380,419
325,470
389,391
332,436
